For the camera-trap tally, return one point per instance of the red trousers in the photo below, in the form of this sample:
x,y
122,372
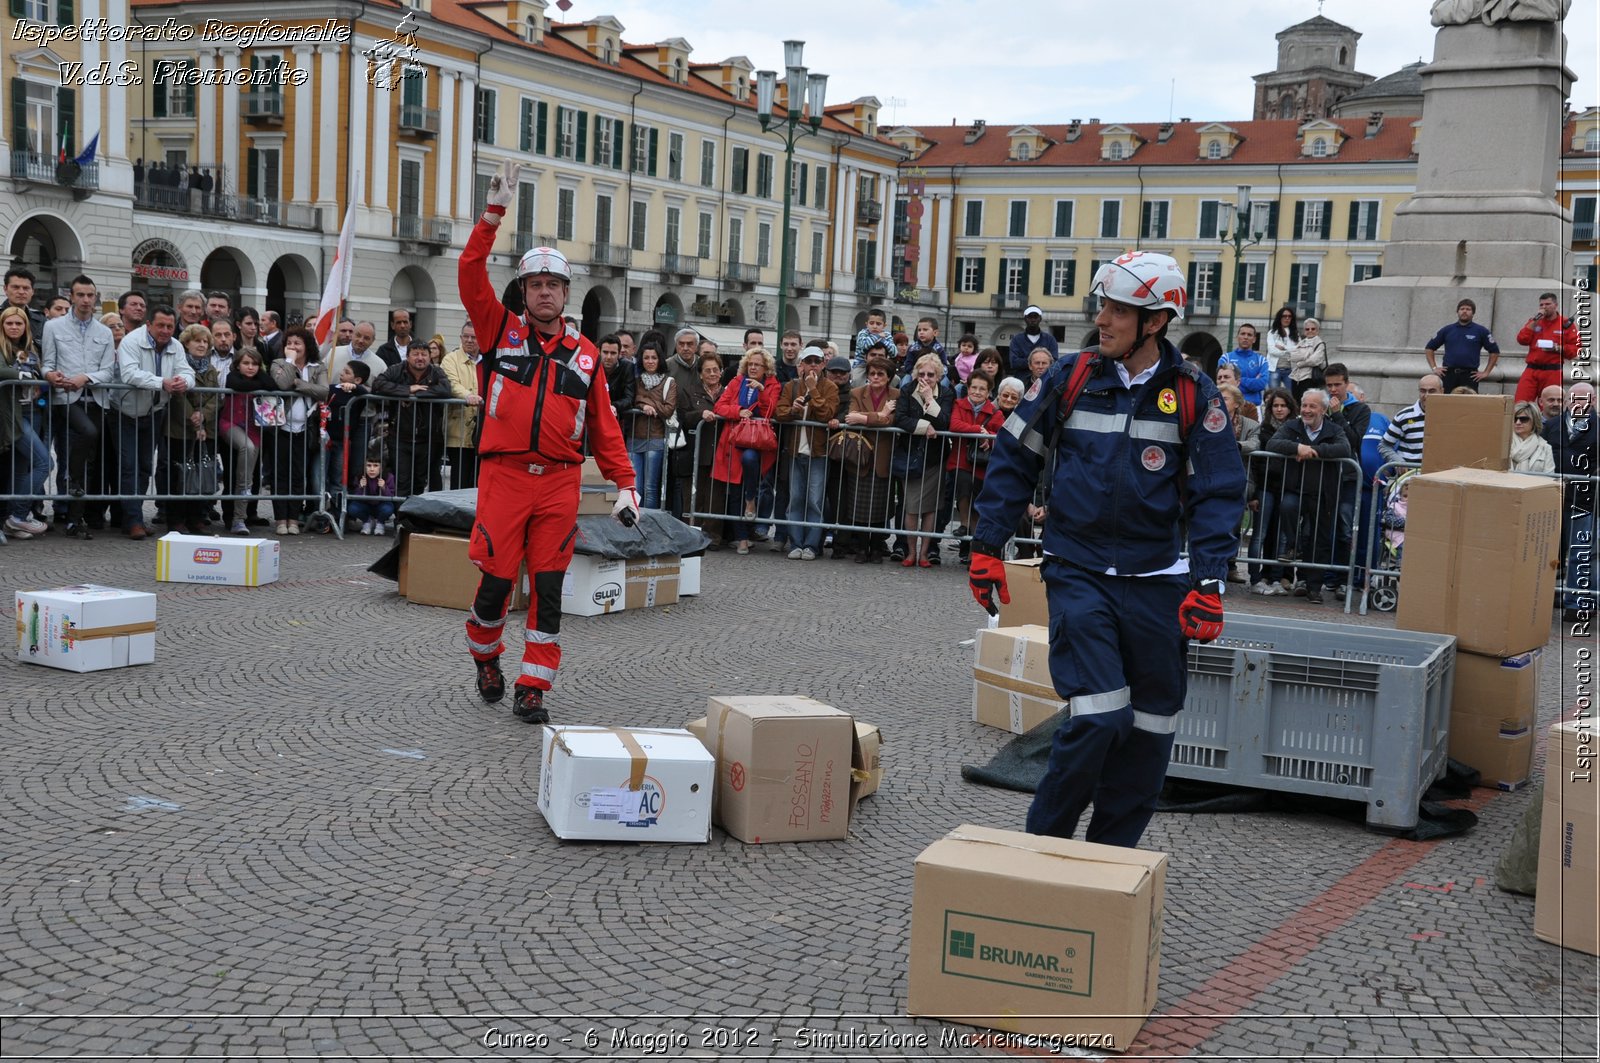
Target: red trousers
x,y
532,517
1535,380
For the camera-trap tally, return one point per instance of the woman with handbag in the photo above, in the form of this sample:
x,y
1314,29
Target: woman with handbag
x,y
292,449
187,463
1308,359
748,447
697,402
866,460
921,412
240,426
654,401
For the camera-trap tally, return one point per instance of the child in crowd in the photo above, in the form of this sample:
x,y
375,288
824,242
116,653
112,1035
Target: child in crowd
x,y
962,364
347,427
974,415
372,500
877,331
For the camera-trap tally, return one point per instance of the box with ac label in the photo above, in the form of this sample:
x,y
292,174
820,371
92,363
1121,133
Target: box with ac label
x,y
86,628
212,559
1036,935
631,784
783,767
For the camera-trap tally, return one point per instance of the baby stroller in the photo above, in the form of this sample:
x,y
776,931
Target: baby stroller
x,y
1384,582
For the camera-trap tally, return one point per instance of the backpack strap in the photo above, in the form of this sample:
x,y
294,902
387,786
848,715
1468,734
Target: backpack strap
x,y
1086,365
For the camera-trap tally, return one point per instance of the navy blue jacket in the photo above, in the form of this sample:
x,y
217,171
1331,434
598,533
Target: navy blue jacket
x,y
1575,454
1119,486
1022,346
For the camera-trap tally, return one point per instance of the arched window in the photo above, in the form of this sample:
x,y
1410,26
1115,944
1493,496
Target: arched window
x,y
1319,147
738,88
1286,107
531,30
677,69
1024,151
1344,56
1116,151
1213,149
606,53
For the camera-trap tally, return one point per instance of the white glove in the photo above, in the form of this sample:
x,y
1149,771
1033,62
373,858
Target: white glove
x,y
626,511
503,185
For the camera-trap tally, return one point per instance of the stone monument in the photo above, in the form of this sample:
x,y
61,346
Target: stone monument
x,y
1483,222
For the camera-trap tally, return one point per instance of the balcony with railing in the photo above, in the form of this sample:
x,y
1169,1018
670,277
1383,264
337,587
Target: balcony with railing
x,y
868,212
614,257
803,280
1304,309
1204,308
263,105
50,170
523,241
680,265
872,286
420,120
432,233
1007,302
742,272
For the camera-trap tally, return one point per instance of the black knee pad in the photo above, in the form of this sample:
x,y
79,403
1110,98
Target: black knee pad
x,y
547,601
493,594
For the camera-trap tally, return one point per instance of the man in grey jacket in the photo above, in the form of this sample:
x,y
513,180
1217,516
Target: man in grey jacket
x,y
76,353
152,365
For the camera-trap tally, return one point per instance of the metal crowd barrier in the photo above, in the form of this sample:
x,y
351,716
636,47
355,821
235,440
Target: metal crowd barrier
x,y
1290,524
407,437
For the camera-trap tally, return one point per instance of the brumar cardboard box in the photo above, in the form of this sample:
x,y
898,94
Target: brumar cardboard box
x,y
652,581
1480,559
626,784
435,570
1025,585
1036,935
1493,709
1011,686
783,767
86,627
213,559
1567,908
866,762
1468,431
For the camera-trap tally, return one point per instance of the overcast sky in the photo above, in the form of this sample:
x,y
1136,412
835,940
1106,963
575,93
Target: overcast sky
x,y
931,61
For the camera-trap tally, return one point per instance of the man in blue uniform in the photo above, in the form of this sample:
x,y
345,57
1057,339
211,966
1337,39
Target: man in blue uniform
x,y
1145,448
1463,341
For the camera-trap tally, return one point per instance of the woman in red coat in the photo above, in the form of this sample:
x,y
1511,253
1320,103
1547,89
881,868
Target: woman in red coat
x,y
973,414
753,394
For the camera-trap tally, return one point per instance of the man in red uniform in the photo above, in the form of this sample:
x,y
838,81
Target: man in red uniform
x,y
1550,339
544,393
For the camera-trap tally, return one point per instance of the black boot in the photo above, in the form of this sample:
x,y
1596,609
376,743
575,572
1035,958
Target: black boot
x,y
491,683
528,705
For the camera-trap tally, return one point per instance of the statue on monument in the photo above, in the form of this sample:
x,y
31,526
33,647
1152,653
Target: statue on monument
x,y
1489,12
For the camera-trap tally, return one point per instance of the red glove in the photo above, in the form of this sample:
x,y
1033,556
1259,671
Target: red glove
x,y
1200,615
985,576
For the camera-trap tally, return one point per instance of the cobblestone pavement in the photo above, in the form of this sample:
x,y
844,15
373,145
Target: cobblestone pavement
x,y
299,833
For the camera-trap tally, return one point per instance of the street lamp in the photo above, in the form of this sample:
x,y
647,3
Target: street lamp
x,y
1238,219
791,127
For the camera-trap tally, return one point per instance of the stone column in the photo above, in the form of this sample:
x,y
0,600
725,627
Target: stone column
x,y
444,155
206,110
230,180
89,95
886,231
380,137
467,102
360,72
305,116
329,129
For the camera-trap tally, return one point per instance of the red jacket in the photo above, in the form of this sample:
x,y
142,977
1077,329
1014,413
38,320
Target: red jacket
x,y
725,465
543,396
963,418
1561,332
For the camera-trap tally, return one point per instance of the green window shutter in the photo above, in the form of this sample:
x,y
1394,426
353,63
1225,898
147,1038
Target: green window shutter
x,y
598,161
1355,221
1049,276
525,127
18,10
983,269
1299,221
961,272
822,186
541,124
583,137
158,99
1239,274
1208,219
1027,268
1372,222
1194,269
619,137
189,94
1272,221
1327,219
64,12
1072,275
1294,284
19,107
252,164
805,171
655,136
67,117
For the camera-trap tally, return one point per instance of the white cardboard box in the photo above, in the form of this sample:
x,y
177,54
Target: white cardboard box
x,y
594,585
689,577
86,627
213,559
626,784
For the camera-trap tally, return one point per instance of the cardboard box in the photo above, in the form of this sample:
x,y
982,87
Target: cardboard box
x,y
593,585
866,763
652,581
435,570
591,476
1468,431
1566,909
626,784
1480,559
86,627
594,501
689,577
698,729
1025,584
1493,710
1036,935
213,559
1011,686
783,768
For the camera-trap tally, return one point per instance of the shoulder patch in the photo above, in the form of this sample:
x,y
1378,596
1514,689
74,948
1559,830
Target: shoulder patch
x,y
1215,420
1167,402
1033,390
586,362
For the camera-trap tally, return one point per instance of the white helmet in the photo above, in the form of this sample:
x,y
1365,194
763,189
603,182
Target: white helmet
x,y
1143,279
544,260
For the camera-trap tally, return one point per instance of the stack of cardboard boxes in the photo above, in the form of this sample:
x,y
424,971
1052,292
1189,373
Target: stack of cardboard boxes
x,y
1479,563
1567,907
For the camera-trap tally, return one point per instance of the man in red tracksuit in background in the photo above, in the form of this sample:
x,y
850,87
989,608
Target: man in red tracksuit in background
x,y
544,393
1551,339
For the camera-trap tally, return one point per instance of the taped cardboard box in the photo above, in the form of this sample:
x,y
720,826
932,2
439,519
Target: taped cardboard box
x,y
1567,907
1025,584
783,767
1011,688
1480,559
652,581
435,570
593,586
625,784
866,762
1493,710
1036,935
594,501
86,627
213,559
1468,431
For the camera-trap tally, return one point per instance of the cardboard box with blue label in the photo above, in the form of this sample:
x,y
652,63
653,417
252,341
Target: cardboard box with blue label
x,y
630,784
1037,935
1494,710
86,628
213,559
